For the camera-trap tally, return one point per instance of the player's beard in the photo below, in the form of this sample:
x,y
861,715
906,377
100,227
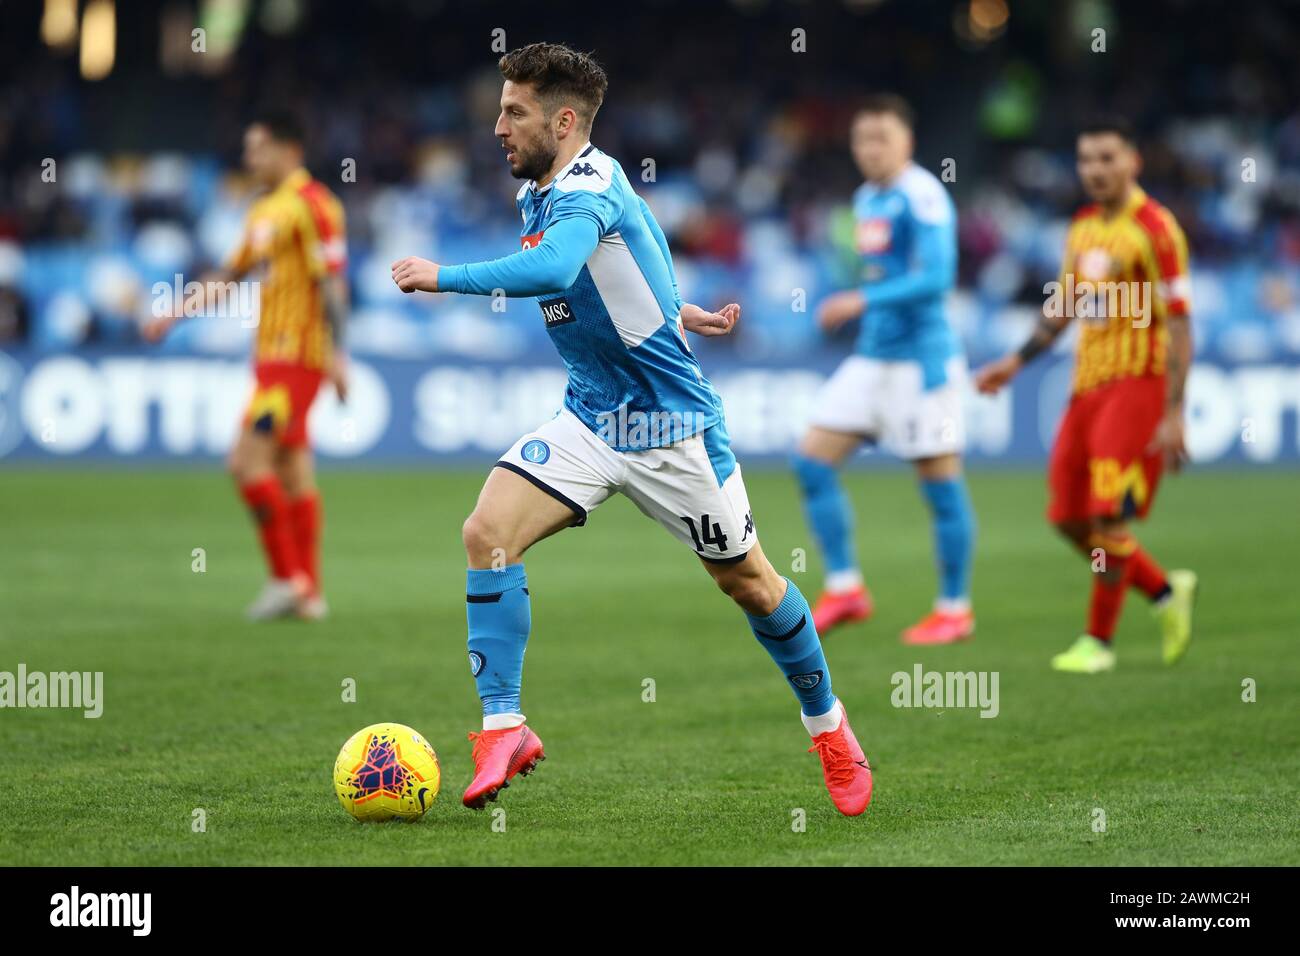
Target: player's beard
x,y
536,162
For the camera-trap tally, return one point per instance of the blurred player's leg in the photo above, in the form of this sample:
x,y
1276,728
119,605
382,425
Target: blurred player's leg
x,y
297,473
1091,653
1103,473
251,465
830,515
944,488
1144,573
782,622
1117,544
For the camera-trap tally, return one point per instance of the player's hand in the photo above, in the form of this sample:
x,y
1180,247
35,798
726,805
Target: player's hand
x,y
155,328
839,308
1170,440
697,320
991,378
415,275
338,375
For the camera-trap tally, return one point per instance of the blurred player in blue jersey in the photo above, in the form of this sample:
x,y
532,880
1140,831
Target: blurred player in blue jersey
x,y
639,417
903,387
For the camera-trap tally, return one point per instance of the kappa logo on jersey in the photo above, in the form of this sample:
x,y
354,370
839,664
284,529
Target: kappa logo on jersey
x,y
874,236
806,681
476,662
535,451
556,312
584,169
531,241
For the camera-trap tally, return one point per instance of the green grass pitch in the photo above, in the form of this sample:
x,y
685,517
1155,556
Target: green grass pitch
x,y
203,710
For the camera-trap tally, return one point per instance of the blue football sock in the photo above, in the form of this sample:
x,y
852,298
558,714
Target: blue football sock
x,y
954,534
497,606
828,511
789,636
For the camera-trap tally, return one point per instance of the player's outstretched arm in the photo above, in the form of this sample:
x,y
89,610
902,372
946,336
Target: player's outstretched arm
x,y
996,374
840,307
551,266
703,322
164,318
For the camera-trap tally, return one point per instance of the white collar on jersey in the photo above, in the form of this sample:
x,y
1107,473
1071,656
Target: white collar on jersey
x,y
583,150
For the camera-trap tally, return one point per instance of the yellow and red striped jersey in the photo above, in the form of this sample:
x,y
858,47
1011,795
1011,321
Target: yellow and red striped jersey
x,y
1126,275
295,236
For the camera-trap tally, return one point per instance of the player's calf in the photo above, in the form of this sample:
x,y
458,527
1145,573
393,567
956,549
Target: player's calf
x,y
751,582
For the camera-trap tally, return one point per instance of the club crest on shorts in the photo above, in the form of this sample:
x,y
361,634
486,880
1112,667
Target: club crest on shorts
x,y
806,681
535,451
476,662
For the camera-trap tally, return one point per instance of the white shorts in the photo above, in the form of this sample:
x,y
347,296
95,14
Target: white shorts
x,y
887,402
692,488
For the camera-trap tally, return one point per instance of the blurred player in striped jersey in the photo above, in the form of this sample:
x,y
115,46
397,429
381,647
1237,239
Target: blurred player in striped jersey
x,y
1124,275
293,246
906,383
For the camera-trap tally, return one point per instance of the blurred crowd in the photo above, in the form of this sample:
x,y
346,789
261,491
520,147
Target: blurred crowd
x,y
738,143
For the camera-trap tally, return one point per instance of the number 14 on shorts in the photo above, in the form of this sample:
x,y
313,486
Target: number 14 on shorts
x,y
713,533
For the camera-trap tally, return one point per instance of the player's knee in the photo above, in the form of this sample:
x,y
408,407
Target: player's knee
x,y
485,541
1110,525
1109,533
296,481
1076,531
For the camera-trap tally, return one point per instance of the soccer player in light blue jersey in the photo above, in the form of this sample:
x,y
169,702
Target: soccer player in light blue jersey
x,y
904,385
639,417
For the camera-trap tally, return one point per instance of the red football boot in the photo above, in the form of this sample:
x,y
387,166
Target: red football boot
x,y
848,777
841,607
941,627
498,756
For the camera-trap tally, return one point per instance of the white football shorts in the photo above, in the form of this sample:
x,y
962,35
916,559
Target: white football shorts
x,y
887,402
693,488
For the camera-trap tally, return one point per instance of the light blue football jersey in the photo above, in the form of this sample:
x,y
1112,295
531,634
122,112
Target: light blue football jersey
x,y
906,235
616,325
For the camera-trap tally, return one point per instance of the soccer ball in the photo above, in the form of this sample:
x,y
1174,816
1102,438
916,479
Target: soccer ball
x,y
386,771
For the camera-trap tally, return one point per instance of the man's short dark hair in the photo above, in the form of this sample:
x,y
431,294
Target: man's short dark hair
x,y
891,103
1109,123
283,125
560,76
